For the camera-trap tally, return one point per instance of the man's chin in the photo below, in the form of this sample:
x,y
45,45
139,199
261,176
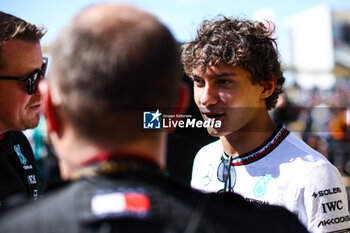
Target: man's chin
x,y
33,123
215,132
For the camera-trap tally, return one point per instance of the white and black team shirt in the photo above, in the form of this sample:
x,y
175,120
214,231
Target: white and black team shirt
x,y
283,171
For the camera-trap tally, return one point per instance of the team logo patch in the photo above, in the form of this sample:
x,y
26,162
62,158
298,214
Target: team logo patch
x,y
337,220
208,176
21,157
260,187
35,194
326,192
120,204
31,179
151,120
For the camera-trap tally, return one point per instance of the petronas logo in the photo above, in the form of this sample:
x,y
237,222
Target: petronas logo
x,y
260,187
21,157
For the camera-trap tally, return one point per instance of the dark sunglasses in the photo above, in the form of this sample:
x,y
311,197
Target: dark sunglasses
x,y
33,79
227,174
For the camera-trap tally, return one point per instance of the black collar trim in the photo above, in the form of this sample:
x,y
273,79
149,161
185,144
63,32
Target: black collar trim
x,y
268,146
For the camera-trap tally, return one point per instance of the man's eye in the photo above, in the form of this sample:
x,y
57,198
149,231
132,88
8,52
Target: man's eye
x,y
198,82
224,81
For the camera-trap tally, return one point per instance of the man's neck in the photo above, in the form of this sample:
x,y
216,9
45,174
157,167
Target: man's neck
x,y
239,143
1,136
73,153
2,130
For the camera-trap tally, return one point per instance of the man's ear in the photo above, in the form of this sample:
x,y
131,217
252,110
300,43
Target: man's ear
x,y
269,86
49,110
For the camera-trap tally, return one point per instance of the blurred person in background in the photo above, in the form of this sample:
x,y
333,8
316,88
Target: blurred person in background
x,y
108,64
21,68
237,78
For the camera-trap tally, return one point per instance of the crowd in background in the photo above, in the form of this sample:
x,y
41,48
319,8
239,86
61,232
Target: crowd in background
x,y
320,118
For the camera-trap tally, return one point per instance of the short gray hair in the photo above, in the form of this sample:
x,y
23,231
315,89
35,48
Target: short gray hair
x,y
110,67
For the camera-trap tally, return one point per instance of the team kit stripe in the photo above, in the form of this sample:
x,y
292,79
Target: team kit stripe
x,y
267,148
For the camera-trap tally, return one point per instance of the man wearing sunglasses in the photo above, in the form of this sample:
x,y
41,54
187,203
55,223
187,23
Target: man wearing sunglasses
x,y
21,69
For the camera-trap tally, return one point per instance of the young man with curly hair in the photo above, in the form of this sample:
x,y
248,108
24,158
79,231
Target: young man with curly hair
x,y
237,78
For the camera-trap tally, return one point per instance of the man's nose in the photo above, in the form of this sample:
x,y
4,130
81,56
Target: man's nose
x,y
209,95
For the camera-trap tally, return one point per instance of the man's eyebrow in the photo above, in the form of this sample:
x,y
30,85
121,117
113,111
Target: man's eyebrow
x,y
31,72
224,74
34,70
219,75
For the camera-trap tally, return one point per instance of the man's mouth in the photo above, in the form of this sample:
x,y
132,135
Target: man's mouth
x,y
212,115
35,106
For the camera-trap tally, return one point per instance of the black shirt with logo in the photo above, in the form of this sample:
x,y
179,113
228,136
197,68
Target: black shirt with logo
x,y
122,195
18,172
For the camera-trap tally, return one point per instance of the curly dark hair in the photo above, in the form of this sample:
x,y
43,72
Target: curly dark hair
x,y
236,42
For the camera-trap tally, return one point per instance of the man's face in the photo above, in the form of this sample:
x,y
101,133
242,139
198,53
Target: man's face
x,y
226,93
18,110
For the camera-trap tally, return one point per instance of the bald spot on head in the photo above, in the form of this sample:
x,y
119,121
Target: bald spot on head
x,y
102,18
110,63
